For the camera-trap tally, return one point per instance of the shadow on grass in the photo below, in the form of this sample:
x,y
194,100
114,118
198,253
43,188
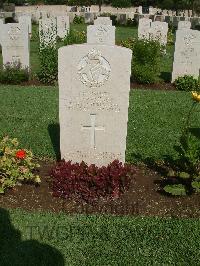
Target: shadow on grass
x,y
54,133
15,252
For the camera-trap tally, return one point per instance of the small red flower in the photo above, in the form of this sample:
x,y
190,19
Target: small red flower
x,y
21,154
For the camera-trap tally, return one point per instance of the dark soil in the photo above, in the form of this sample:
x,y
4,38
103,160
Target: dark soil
x,y
134,85
142,198
33,82
156,86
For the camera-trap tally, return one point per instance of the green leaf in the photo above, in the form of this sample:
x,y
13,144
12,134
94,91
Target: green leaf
x,y
1,190
171,173
176,190
196,186
184,175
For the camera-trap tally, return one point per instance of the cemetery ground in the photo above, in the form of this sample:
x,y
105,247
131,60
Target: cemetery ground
x,y
97,240
148,228
144,226
156,119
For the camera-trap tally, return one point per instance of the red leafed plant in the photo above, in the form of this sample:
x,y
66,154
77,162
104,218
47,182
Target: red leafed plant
x,y
90,182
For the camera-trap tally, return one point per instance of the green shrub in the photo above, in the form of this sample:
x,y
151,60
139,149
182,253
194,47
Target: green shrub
x,y
185,169
146,61
187,83
75,37
78,20
13,74
16,165
143,74
128,43
170,37
48,56
48,73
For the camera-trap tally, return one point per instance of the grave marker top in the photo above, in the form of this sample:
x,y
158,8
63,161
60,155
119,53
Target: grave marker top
x,y
15,44
187,54
47,31
184,25
101,34
103,21
159,31
144,28
62,26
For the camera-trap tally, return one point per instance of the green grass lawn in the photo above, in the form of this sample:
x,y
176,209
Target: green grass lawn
x,y
122,33
156,119
58,239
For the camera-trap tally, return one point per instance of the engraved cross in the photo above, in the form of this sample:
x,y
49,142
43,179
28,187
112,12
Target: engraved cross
x,y
93,128
15,58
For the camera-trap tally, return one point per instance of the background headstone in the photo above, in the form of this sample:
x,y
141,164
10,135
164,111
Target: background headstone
x,y
93,102
187,54
144,28
101,34
184,25
159,31
103,21
140,10
25,19
159,18
122,18
15,44
1,27
63,26
47,31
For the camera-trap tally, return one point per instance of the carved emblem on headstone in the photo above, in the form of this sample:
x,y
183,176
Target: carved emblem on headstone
x,y
93,69
14,33
102,32
189,39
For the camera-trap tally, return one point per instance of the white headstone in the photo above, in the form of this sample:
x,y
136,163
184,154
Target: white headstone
x,y
26,19
144,28
101,34
187,54
15,44
1,27
103,21
62,26
47,31
184,25
140,9
159,31
93,102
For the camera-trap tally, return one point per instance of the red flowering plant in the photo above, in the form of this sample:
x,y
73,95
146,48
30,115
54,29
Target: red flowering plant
x,y
90,182
16,165
21,154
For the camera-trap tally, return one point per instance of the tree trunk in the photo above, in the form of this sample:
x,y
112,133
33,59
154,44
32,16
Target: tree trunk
x,y
99,5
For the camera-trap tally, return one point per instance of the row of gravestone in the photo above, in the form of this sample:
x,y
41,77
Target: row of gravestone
x,y
153,30
157,30
187,45
15,38
51,28
15,41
